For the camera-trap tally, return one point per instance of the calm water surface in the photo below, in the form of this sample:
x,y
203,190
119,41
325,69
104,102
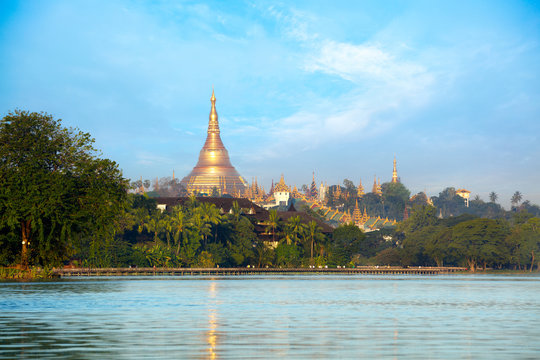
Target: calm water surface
x,y
308,316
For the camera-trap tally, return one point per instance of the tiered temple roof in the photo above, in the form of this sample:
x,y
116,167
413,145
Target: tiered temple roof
x,y
281,186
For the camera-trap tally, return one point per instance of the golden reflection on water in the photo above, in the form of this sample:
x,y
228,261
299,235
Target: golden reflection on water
x,y
211,334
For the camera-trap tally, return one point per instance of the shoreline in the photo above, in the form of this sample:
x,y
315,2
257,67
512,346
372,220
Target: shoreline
x,y
47,274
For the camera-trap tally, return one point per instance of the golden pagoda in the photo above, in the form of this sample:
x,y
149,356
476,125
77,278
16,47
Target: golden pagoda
x,y
214,169
357,215
377,187
360,190
337,192
395,178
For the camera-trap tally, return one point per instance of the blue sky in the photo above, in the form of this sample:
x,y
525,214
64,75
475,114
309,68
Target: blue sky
x,y
452,89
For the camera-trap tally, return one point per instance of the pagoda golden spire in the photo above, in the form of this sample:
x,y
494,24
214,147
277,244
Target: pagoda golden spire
x,y
394,172
357,215
213,125
214,168
360,190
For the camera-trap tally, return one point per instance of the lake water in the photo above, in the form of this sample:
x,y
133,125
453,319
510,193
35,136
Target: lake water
x,y
304,316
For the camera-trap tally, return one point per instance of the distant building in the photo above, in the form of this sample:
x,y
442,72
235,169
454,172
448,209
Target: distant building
x,y
282,193
465,194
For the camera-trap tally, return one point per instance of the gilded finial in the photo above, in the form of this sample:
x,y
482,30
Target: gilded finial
x,y
213,125
394,172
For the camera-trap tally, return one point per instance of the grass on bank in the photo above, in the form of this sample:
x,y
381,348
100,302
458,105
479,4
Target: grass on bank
x,y
9,273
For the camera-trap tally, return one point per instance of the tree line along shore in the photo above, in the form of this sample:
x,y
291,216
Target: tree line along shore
x,y
62,204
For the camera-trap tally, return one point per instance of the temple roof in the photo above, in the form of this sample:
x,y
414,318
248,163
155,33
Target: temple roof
x,y
281,186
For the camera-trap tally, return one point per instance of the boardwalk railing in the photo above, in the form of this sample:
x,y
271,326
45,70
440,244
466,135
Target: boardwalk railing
x,y
253,271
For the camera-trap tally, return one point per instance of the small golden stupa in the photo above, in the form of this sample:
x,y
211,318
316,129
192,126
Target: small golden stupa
x,y
214,169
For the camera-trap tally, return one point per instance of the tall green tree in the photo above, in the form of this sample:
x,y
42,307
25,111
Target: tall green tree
x,y
516,198
314,234
293,229
481,241
421,216
273,223
155,224
211,216
346,242
526,240
180,223
53,185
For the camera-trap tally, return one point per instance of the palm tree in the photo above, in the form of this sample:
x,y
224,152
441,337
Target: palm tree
x,y
153,224
493,196
236,211
293,228
202,227
516,198
263,254
180,223
211,216
313,231
273,223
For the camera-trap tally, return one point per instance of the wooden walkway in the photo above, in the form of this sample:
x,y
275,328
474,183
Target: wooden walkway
x,y
368,270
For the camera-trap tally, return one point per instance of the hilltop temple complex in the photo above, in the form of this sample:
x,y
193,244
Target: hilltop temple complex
x,y
214,175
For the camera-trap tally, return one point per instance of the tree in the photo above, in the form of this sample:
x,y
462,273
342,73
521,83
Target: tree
x,y
54,186
155,224
263,254
314,233
201,226
346,242
481,241
293,228
449,203
516,198
237,211
211,216
493,196
349,186
396,190
273,223
526,238
438,243
421,216
241,248
287,255
180,223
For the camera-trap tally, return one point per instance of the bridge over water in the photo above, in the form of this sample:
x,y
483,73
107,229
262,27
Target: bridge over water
x,y
150,271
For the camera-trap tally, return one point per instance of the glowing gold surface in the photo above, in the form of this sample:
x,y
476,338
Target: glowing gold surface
x,y
214,168
394,172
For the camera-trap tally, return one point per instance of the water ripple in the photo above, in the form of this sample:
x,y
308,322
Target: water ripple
x,y
455,316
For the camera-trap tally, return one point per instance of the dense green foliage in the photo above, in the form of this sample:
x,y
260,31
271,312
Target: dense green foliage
x,y
469,241
53,189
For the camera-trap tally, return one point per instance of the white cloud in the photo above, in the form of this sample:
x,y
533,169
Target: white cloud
x,y
365,62
386,92
385,89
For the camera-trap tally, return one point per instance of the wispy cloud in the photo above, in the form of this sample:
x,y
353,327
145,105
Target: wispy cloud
x,y
380,83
